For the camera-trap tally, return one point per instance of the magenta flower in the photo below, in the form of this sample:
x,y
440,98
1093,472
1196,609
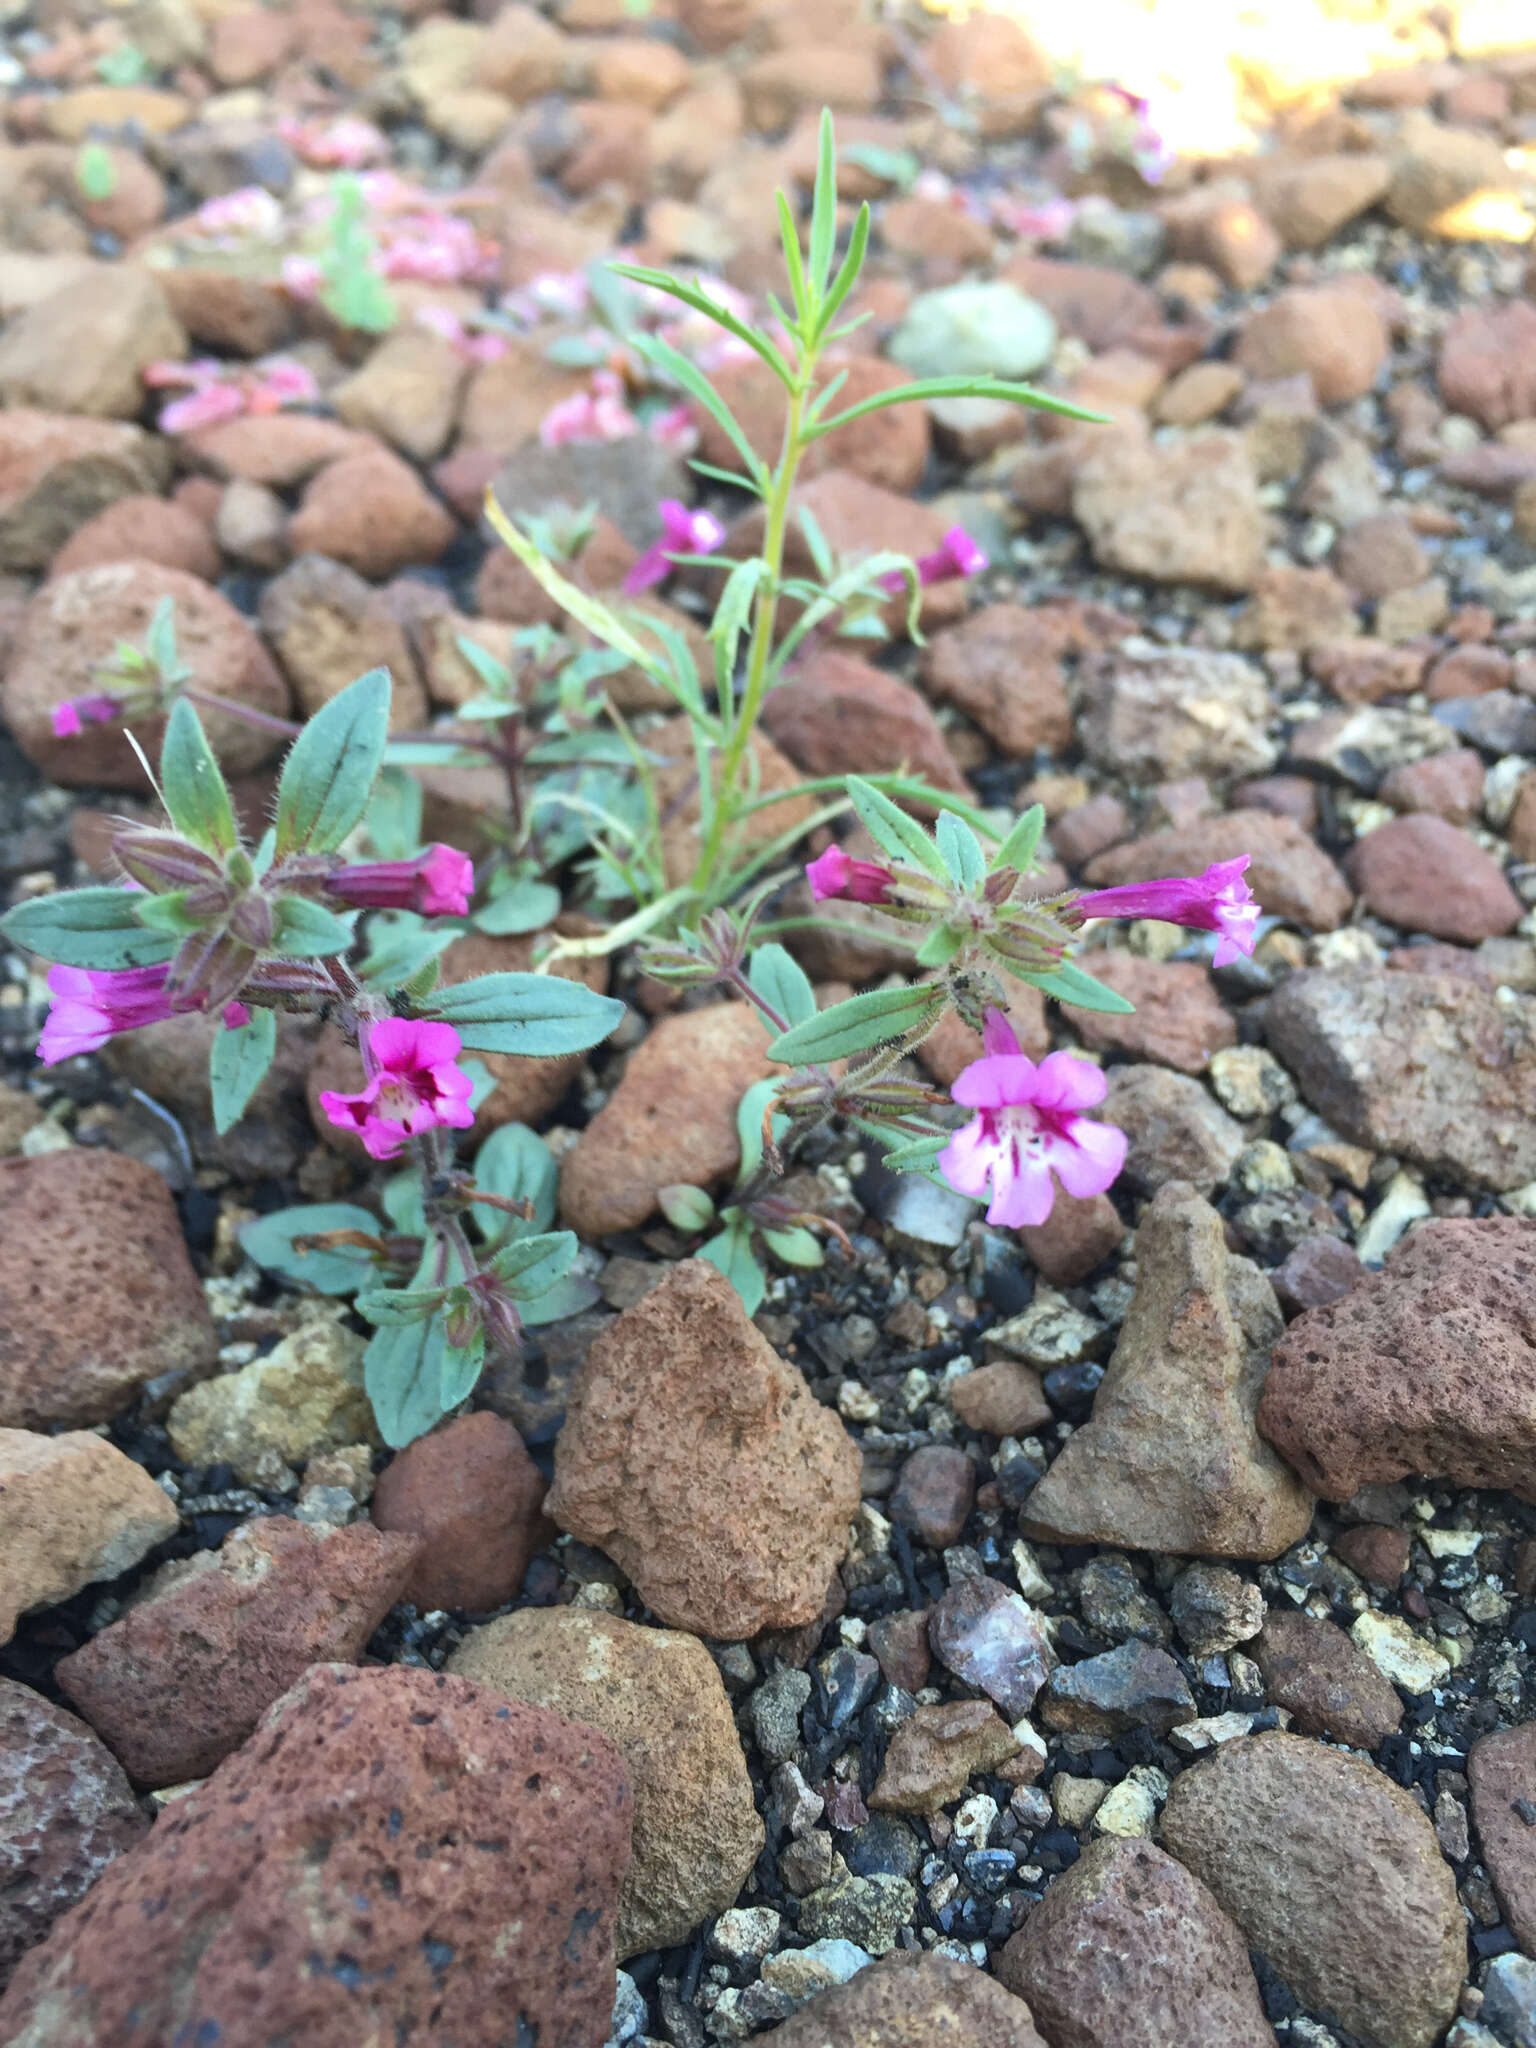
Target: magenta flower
x,y
412,1085
683,533
1217,901
438,883
1028,1126
91,1005
838,874
956,555
77,712
599,414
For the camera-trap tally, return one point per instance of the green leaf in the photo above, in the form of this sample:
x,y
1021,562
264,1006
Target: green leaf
x,y
731,1252
848,276
331,767
749,1125
396,1307
393,818
909,1155
403,1378
568,1297
695,296
462,1367
1018,848
796,1246
400,944
823,210
890,827
781,981
957,387
515,1163
730,620
401,1198
789,235
697,385
540,1016
192,783
237,1064
940,947
169,913
87,928
309,930
686,1208
95,172
961,852
821,555
530,1266
272,1241
526,905
1070,984
861,1022
581,605
895,166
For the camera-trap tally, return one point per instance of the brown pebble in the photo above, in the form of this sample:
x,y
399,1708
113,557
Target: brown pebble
x,y
934,1494
1377,1553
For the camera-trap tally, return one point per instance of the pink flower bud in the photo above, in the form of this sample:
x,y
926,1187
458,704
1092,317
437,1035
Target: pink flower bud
x,y
837,874
1217,901
77,712
438,883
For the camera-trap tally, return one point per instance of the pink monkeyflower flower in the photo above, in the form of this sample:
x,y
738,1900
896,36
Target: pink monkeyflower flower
x,y
683,533
438,883
837,874
1028,1127
209,406
412,1085
599,414
91,1005
1217,901
674,429
277,381
344,145
956,555
76,712
301,277
252,210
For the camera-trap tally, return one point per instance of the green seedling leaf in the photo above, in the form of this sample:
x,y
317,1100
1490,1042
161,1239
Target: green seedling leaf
x,y
526,905
695,296
1018,848
275,1242
237,1065
781,981
403,1378
88,928
749,1126
540,1016
332,766
530,1266
568,1297
957,387
603,624
731,1251
1069,984
861,1022
515,1162
698,386
400,944
309,931
961,852
796,1246
940,947
686,1208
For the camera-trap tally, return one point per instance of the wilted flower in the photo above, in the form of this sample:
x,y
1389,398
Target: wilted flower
x,y
1028,1127
412,1086
683,533
1217,901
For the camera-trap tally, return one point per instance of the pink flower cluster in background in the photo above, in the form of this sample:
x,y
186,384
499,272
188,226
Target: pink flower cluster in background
x,y
218,391
600,413
472,344
411,1085
249,213
347,144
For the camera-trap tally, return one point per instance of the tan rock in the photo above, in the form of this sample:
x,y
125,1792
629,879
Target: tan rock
x,y
306,1395
58,470
372,512
658,1695
74,114
671,1118
141,529
327,627
1437,171
934,1752
1171,1458
407,393
1187,512
1335,335
1311,199
699,1460
73,1510
81,350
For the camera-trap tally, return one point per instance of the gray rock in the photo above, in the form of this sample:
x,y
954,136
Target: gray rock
x,y
979,327
870,1911
1134,1686
1215,1609
1509,2000
625,480
992,1639
1153,715
1114,1603
774,1710
1175,1130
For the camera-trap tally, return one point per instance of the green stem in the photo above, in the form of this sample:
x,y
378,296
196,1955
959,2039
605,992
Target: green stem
x,y
764,620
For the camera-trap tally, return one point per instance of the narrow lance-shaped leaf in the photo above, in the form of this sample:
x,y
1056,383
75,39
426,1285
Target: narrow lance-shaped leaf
x,y
538,1015
1018,848
331,767
237,1065
893,830
193,785
961,851
88,928
861,1022
581,605
1069,984
957,387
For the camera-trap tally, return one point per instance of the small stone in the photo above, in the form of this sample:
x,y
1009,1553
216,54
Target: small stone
x,y
700,1462
81,350
407,392
360,1785
871,1911
1378,1554
73,1510
1198,394
1424,1368
59,470
1381,554
1430,1067
1114,1605
1249,1081
1178,1403
1050,1332
187,1673
836,714
1178,1021
1509,2003
1438,173
1332,334
990,1638
306,1395
473,1499
1214,1609
934,1495
657,1695
911,1998
672,1118
1129,1946
900,1646
141,529
1136,1685
1181,512
1310,199
1485,364
1005,1399
1129,1810
1075,1239
979,327
97,1292
1315,1272
1316,1672
1448,785
1423,875
744,1935
1285,1831
66,1811
372,512
1176,1131
935,1752
1502,1770
1398,1654
1296,609
1003,667
775,1709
